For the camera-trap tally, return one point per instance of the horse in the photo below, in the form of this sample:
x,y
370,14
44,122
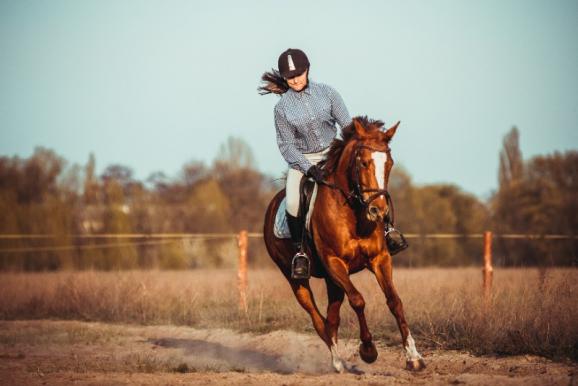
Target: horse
x,y
347,234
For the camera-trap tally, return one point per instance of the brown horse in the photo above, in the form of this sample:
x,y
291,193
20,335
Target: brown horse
x,y
347,226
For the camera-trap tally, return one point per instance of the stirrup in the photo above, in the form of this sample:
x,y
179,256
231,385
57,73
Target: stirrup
x,y
300,266
394,240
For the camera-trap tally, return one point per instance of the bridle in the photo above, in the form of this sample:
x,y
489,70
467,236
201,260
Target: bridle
x,y
355,196
357,188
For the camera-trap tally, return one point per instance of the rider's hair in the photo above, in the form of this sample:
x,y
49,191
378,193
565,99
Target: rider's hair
x,y
273,83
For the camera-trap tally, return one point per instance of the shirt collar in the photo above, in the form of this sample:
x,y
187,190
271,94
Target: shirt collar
x,y
306,91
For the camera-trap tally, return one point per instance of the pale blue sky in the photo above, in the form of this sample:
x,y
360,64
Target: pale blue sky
x,y
154,84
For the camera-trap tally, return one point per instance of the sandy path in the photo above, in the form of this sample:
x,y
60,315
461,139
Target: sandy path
x,y
60,352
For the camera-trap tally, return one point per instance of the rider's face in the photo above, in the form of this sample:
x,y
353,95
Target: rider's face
x,y
299,82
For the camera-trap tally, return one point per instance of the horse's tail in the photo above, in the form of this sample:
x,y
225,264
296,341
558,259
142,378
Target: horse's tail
x,y
273,83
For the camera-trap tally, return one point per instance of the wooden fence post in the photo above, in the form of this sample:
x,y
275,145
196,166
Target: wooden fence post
x,y
242,270
488,269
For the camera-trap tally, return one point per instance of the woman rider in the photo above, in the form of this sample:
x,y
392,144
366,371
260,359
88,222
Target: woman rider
x,y
305,119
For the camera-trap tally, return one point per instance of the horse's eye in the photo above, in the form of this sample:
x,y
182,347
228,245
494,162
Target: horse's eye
x,y
362,163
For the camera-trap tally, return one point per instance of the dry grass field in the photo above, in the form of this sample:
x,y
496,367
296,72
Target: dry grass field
x,y
531,320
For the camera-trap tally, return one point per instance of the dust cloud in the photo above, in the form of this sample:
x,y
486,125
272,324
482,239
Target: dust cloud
x,y
284,352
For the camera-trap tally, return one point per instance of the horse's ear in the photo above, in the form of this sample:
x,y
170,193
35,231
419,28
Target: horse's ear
x,y
359,129
391,131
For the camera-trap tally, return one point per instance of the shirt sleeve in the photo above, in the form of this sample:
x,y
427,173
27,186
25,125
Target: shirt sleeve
x,y
286,143
338,109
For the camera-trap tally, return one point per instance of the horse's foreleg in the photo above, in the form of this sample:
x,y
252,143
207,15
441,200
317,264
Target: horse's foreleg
x,y
382,267
340,275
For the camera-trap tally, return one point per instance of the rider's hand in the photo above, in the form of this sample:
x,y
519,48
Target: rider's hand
x,y
316,173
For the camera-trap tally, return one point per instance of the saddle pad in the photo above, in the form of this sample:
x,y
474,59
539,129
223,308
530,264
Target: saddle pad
x,y
281,228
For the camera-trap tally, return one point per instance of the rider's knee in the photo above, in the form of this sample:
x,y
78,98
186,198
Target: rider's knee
x,y
292,204
292,191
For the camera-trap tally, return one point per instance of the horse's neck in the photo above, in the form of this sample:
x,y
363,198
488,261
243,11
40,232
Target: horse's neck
x,y
341,174
340,178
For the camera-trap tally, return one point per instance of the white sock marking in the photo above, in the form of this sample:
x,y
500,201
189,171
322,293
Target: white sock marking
x,y
336,360
410,351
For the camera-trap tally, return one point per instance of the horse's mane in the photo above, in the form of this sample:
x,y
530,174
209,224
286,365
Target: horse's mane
x,y
348,134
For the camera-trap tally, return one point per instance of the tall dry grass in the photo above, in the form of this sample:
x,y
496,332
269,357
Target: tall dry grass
x,y
530,311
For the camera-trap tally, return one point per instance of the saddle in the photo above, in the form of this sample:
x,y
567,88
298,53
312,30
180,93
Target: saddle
x,y
307,194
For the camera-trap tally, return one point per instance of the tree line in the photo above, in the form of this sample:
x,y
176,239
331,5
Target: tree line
x,y
44,194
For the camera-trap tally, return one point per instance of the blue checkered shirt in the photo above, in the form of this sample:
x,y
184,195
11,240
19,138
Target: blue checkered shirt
x,y
305,122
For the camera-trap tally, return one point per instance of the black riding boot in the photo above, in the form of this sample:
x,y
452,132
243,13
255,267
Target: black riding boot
x,y
300,263
394,240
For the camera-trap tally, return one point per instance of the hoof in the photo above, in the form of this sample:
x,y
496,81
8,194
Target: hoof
x,y
415,365
368,352
339,367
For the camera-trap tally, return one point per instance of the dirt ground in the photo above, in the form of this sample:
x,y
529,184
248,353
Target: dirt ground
x,y
64,352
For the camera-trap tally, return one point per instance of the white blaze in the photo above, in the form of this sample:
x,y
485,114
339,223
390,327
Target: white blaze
x,y
379,159
291,64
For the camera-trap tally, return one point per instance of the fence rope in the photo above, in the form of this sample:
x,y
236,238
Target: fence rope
x,y
77,247
126,236
260,235
165,238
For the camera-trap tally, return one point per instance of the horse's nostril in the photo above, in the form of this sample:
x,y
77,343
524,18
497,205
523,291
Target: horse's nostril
x,y
374,210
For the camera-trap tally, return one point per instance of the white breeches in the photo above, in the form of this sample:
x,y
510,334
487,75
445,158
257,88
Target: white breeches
x,y
293,180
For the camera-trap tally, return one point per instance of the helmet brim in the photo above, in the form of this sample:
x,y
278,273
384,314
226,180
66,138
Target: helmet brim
x,y
293,73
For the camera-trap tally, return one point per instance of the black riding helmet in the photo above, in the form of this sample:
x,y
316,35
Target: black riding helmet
x,y
292,62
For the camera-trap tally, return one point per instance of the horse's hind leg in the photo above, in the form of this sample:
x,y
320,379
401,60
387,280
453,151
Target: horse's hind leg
x,y
381,266
340,275
335,295
304,296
